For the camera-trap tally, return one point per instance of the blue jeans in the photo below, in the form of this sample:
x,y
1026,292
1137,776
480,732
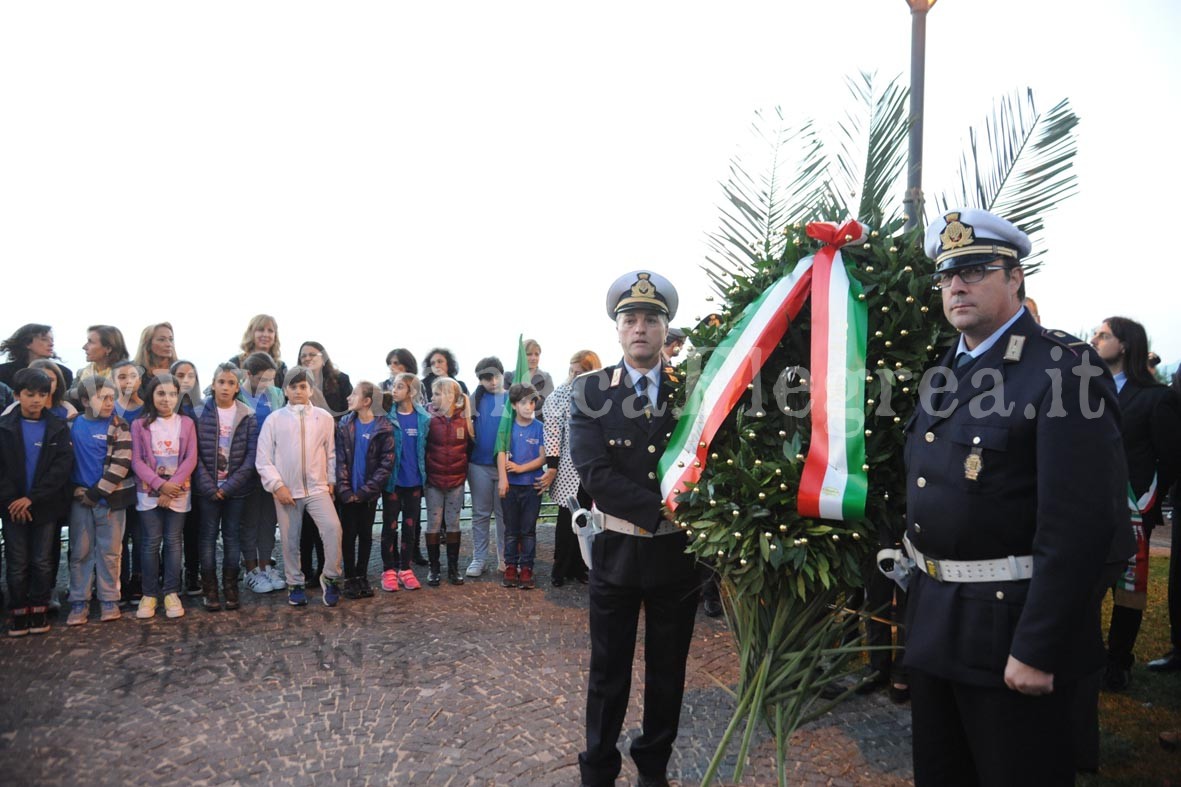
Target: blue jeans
x,y
96,539
228,514
28,552
158,524
482,481
521,506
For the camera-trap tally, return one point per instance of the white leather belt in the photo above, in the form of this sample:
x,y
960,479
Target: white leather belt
x,y
1002,569
623,526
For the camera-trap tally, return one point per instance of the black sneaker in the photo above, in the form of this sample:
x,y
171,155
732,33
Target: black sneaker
x,y
19,625
193,583
433,578
38,622
352,589
364,590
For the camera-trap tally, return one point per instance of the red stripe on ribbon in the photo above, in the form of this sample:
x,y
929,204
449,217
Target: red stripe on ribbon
x,y
816,466
763,347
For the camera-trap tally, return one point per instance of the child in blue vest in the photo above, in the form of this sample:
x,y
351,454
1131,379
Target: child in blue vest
x,y
520,468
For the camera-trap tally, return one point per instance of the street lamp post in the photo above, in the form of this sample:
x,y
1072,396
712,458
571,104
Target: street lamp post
x,y
913,200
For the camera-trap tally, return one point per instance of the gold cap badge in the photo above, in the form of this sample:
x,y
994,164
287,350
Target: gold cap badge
x,y
956,234
643,288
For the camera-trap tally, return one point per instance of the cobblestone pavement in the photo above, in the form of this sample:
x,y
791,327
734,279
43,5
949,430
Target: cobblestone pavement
x,y
462,685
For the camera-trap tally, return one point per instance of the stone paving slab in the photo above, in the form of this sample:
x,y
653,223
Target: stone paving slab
x,y
471,685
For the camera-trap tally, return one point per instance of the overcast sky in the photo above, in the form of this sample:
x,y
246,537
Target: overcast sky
x,y
388,174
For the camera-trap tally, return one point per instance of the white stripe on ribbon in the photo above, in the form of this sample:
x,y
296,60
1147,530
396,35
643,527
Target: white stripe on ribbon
x,y
836,474
731,367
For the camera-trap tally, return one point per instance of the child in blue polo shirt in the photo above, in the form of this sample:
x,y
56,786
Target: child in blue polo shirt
x,y
519,470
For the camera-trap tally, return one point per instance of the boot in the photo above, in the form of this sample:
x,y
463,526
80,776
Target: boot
x,y
432,551
453,574
229,586
209,591
416,540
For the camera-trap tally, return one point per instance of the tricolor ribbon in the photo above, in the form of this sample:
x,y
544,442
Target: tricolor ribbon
x,y
833,484
1132,588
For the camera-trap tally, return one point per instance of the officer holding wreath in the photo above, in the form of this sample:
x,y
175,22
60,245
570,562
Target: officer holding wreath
x,y
620,421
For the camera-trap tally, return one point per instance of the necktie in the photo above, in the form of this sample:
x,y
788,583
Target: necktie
x,y
642,401
962,359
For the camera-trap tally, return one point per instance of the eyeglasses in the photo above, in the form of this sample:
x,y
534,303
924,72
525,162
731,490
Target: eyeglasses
x,y
971,274
309,356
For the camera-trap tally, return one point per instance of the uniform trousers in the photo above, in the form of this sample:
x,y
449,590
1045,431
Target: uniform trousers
x,y
669,614
994,737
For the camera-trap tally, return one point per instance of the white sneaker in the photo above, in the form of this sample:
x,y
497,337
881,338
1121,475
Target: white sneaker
x,y
475,568
257,582
147,608
173,608
276,579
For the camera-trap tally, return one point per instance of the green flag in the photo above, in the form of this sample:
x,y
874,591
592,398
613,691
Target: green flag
x,y
520,375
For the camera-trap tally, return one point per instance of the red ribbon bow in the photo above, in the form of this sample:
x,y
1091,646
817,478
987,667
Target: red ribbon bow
x,y
835,235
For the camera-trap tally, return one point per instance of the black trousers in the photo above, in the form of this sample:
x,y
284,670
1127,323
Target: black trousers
x,y
995,737
1086,704
669,614
356,536
885,601
567,556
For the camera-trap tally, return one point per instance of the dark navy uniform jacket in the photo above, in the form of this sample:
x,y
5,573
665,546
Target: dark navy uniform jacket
x,y
1152,441
615,448
1050,480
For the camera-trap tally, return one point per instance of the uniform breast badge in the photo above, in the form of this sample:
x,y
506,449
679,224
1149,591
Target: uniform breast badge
x,y
973,465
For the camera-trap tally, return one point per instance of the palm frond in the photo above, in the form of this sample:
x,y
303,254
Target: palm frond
x,y
757,209
871,146
1019,164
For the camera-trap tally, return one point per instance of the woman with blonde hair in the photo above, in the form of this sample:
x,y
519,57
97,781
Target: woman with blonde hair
x,y
157,351
560,470
262,336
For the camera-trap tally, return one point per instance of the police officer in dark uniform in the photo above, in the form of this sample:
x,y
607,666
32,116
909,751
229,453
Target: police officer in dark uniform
x,y
1016,498
620,421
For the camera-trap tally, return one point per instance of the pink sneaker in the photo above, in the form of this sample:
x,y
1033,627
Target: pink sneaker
x,y
389,581
408,580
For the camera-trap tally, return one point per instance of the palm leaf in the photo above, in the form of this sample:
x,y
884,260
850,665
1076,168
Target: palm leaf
x,y
757,209
871,144
1019,164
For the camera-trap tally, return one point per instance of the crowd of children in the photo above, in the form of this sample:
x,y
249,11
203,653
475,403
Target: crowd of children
x,y
149,472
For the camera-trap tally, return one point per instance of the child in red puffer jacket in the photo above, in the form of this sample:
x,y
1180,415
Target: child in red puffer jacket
x,y
448,445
